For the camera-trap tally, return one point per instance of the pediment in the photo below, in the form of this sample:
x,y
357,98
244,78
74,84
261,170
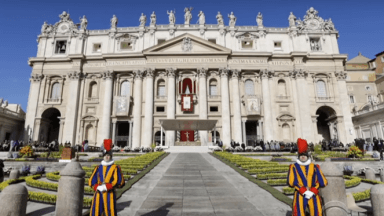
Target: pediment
x,y
187,44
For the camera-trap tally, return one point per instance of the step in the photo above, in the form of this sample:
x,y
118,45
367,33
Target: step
x,y
189,149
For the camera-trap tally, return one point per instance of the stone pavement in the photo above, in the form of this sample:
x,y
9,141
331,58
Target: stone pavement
x,y
197,184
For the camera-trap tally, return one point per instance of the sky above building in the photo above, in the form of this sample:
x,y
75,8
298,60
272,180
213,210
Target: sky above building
x,y
360,25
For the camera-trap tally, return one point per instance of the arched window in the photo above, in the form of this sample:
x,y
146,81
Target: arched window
x,y
321,88
213,87
281,88
89,133
249,87
286,132
125,88
92,90
55,93
161,88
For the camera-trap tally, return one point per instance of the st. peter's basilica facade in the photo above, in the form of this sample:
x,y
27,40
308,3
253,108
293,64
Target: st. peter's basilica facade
x,y
258,82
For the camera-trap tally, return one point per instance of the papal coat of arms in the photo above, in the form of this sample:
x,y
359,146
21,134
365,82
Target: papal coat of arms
x,y
186,46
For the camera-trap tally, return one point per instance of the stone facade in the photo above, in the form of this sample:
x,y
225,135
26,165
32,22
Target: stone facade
x,y
257,81
12,119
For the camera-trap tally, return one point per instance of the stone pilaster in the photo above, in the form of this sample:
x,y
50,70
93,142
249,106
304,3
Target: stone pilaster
x,y
296,104
130,134
272,94
344,105
72,107
237,132
268,126
105,128
34,92
203,106
137,104
303,105
148,113
225,113
171,105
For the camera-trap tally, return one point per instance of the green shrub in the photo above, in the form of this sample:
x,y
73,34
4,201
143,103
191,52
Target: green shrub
x,y
288,190
352,181
54,176
358,196
268,170
272,176
372,181
276,182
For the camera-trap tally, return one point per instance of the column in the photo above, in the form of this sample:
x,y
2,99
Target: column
x,y
274,125
261,129
303,105
225,113
296,105
258,132
345,107
244,129
148,112
130,134
203,106
137,103
236,103
380,130
114,132
266,106
214,136
331,134
105,128
161,135
72,107
171,105
34,92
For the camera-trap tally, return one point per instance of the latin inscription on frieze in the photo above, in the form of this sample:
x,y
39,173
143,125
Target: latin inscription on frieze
x,y
186,60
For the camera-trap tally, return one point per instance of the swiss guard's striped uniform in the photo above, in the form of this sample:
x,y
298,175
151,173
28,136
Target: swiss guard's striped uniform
x,y
105,202
306,178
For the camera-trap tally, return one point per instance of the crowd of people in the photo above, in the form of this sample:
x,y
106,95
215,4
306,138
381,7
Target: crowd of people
x,y
11,145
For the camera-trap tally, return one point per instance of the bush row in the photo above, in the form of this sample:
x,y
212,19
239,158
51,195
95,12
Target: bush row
x,y
277,182
268,170
32,182
272,176
261,166
352,181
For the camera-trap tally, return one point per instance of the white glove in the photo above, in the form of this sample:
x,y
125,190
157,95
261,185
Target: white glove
x,y
102,188
308,194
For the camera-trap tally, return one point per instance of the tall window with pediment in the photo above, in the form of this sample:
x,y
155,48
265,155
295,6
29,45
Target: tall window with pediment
x,y
249,87
92,90
89,133
321,88
282,88
161,88
213,87
55,93
125,88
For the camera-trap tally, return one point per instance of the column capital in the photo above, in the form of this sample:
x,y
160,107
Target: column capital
x,y
235,73
150,72
298,73
202,72
341,75
36,78
75,75
224,72
265,74
171,72
108,75
138,74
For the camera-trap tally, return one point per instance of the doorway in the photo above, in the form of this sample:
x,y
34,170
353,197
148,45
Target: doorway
x,y
251,132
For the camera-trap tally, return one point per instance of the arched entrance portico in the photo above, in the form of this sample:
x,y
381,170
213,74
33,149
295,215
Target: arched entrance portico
x,y
50,125
326,123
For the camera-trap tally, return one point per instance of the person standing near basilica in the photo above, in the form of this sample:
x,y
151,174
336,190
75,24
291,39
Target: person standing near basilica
x,y
104,179
306,178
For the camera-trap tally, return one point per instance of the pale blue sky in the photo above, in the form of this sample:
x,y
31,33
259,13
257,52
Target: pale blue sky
x,y
360,25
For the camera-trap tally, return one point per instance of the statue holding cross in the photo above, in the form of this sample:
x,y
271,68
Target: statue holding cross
x,y
187,134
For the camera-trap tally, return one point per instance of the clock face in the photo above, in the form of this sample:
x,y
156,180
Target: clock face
x,y
63,28
313,24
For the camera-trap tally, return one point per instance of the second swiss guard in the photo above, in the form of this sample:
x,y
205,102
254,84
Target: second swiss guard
x,y
104,180
306,178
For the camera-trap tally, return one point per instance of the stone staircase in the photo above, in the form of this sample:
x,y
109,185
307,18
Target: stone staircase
x,y
188,149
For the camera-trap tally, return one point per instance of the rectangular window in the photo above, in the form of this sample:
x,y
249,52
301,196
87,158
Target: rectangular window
x,y
248,44
213,109
277,45
97,48
160,109
126,45
212,90
382,58
369,98
373,64
161,91
61,47
160,41
351,99
212,40
315,44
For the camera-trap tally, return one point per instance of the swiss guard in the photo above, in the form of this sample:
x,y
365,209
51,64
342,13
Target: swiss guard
x,y
104,179
306,178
